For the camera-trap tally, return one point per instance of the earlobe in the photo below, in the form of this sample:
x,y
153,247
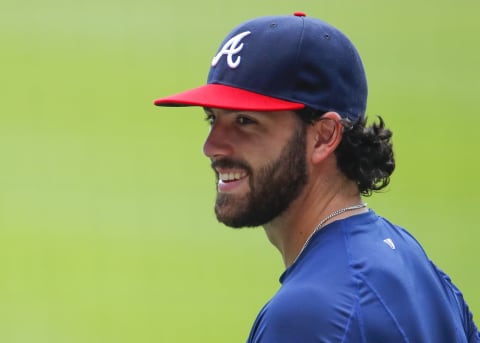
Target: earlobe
x,y
328,134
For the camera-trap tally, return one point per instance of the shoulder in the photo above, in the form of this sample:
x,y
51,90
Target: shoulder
x,y
302,301
304,313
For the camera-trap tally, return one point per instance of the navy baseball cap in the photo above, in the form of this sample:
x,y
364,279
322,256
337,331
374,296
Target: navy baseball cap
x,y
280,63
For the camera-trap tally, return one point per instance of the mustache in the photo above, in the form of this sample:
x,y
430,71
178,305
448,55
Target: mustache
x,y
227,163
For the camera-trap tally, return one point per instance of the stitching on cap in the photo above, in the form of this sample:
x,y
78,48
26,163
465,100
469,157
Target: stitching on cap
x,y
297,58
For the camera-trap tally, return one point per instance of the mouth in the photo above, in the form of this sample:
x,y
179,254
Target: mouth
x,y
231,176
230,180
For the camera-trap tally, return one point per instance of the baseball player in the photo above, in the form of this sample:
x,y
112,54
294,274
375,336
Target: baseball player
x,y
292,152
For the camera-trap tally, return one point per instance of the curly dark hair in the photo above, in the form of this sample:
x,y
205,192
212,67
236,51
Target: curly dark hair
x,y
365,153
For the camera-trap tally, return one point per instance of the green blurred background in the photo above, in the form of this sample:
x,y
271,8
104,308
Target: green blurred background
x,y
106,225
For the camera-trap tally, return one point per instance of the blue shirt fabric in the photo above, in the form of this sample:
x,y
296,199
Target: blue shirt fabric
x,y
364,280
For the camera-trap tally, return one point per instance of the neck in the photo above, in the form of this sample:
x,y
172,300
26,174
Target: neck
x,y
290,231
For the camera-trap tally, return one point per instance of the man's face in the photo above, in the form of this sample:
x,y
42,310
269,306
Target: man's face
x,y
260,163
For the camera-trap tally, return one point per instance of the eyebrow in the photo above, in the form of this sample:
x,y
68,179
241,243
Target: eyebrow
x,y
208,110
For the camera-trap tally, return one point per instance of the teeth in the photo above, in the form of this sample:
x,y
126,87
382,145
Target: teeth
x,y
231,176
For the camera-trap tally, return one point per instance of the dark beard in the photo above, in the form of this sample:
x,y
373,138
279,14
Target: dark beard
x,y
272,187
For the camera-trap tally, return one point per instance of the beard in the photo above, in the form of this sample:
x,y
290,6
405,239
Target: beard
x,y
273,186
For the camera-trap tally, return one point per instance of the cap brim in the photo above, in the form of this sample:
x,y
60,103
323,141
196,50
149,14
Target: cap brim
x,y
226,97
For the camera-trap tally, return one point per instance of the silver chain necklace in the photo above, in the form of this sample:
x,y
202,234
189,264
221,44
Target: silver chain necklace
x,y
324,220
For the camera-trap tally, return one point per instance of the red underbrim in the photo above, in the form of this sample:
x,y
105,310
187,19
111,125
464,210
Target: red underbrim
x,y
226,97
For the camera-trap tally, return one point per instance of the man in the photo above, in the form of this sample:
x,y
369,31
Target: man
x,y
289,144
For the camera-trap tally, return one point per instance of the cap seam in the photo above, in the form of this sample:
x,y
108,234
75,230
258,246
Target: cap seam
x,y
293,81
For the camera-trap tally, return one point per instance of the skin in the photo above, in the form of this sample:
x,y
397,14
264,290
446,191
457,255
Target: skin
x,y
256,137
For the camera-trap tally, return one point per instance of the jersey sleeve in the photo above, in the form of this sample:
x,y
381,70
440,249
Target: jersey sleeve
x,y
471,330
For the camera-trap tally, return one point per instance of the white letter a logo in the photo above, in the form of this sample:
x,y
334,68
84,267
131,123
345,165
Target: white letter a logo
x,y
230,49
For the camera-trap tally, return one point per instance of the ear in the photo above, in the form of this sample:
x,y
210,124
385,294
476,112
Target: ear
x,y
327,136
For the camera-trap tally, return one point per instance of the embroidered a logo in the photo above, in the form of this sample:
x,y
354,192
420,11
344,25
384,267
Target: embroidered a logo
x,y
231,48
389,242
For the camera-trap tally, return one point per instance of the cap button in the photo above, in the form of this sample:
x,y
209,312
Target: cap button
x,y
299,14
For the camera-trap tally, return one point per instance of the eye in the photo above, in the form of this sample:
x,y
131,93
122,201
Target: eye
x,y
210,119
242,120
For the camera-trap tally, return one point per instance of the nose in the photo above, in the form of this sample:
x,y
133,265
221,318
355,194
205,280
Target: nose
x,y
218,142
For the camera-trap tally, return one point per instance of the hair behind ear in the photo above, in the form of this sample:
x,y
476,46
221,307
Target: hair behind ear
x,y
364,154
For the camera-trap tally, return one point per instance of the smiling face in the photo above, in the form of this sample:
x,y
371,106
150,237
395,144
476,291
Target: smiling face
x,y
260,162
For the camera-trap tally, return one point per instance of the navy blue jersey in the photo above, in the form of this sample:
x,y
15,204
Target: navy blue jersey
x,y
364,280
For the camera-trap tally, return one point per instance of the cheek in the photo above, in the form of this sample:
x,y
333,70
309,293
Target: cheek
x,y
262,160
